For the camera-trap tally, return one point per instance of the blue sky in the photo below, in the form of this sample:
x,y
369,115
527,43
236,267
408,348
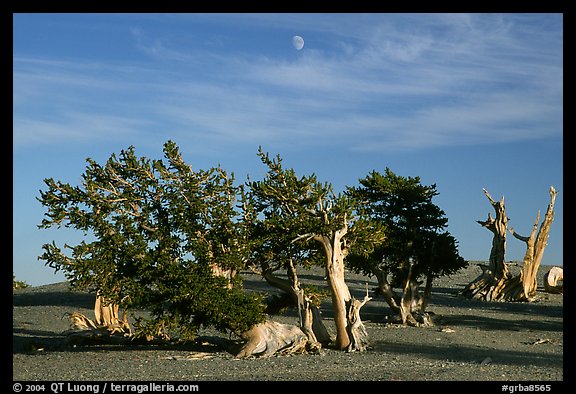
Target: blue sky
x,y
464,101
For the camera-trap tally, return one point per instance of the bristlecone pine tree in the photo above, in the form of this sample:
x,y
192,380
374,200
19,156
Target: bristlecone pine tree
x,y
298,221
495,283
160,237
417,248
167,239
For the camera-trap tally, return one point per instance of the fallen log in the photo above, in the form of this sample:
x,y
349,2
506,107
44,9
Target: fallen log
x,y
552,279
270,338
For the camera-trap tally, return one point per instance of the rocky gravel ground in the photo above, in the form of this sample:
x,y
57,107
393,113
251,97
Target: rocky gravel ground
x,y
471,341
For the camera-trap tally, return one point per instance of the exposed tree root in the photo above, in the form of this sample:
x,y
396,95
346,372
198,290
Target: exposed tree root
x,y
105,328
270,338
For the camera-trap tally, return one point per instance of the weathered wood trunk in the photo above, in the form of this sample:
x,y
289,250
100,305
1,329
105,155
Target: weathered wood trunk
x,y
552,279
490,284
107,327
350,331
384,287
269,338
427,293
356,330
309,315
339,289
413,304
219,271
410,307
406,301
107,315
496,283
535,246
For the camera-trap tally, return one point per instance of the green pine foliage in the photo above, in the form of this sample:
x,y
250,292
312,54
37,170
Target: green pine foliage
x,y
415,228
154,229
288,211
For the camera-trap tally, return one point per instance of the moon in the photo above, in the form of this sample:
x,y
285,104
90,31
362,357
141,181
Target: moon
x,y
298,42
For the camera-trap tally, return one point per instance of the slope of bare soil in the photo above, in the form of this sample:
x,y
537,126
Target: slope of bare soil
x,y
472,341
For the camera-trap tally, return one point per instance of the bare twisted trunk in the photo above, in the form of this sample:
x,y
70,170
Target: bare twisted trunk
x,y
495,283
350,331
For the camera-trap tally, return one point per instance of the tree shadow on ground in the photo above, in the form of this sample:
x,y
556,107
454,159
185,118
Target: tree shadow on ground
x,y
24,340
498,324
55,298
471,354
30,341
449,297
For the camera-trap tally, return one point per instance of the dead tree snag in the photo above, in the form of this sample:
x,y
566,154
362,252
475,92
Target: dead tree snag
x,y
496,283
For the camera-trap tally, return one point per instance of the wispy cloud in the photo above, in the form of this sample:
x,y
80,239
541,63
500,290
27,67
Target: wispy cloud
x,y
76,127
395,83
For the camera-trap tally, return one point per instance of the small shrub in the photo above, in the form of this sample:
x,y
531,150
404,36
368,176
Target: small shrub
x,y
18,284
